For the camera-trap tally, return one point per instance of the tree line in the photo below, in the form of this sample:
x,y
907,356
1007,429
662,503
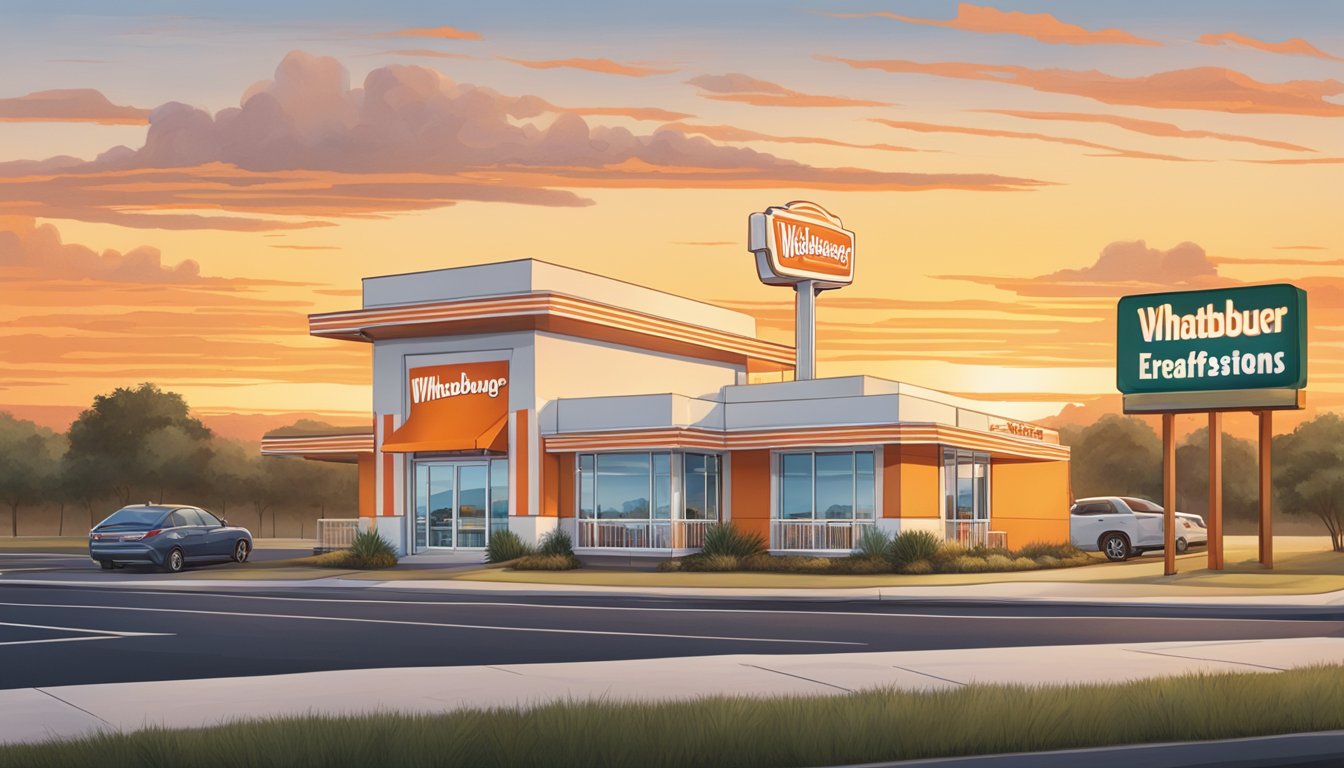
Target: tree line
x,y
140,444
1122,456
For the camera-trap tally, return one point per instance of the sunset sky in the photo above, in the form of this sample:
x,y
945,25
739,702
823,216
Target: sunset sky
x,y
182,183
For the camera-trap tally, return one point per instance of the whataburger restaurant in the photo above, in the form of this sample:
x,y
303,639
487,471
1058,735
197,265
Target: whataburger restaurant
x,y
524,396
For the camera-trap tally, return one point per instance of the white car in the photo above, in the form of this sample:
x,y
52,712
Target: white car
x,y
1122,526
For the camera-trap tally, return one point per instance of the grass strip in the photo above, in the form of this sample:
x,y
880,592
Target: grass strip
x,y
742,732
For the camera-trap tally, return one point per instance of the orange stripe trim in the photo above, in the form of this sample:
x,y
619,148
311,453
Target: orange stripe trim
x,y
521,464
387,470
351,323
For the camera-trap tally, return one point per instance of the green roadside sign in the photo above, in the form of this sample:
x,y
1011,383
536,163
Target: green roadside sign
x,y
1242,339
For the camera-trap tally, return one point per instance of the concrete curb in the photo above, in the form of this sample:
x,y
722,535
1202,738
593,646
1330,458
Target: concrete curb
x,y
1013,593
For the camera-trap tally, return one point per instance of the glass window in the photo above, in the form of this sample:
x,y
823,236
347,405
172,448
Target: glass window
x,y
421,506
623,486
179,520
696,502
795,486
1141,505
662,486
834,485
965,485
499,495
208,518
587,486
134,517
712,487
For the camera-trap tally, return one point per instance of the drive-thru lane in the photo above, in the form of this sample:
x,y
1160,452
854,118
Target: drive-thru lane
x,y
70,635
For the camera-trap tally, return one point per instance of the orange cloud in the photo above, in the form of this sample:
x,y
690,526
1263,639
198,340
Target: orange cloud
x,y
1300,248
1292,47
1280,262
72,105
634,113
29,251
601,66
307,144
1148,127
1300,161
423,53
762,93
1042,27
437,33
1206,88
1106,151
730,133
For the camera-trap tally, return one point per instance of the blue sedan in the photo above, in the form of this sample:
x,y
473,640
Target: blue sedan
x,y
168,536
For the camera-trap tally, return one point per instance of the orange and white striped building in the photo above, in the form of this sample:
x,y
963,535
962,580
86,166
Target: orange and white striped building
x,y
525,396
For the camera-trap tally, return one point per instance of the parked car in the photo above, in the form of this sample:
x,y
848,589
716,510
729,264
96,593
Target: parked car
x,y
168,536
1121,527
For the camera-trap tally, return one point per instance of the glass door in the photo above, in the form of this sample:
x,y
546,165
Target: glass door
x,y
458,503
472,509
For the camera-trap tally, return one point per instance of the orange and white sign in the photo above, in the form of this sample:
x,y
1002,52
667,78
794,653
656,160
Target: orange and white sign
x,y
460,407
801,241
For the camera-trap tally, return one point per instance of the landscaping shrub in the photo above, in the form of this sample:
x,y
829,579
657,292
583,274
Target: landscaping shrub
x,y
874,542
547,562
505,546
909,546
861,564
917,568
370,550
980,550
672,565
556,542
1038,549
967,564
1024,564
711,563
726,539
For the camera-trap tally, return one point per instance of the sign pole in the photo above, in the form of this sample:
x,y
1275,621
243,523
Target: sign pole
x,y
1266,490
1169,493
1215,544
805,330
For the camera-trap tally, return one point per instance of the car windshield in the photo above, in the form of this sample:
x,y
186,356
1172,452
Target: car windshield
x,y
133,517
1141,505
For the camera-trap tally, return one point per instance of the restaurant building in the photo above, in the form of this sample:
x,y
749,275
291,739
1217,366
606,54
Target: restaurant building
x,y
525,396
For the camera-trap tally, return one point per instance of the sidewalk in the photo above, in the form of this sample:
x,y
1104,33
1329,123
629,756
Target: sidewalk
x,y
31,714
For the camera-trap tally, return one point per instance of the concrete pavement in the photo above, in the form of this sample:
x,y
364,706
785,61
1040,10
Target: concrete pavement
x,y
37,714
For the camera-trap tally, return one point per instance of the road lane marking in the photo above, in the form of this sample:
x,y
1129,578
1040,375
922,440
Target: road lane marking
x,y
110,632
61,640
493,604
547,630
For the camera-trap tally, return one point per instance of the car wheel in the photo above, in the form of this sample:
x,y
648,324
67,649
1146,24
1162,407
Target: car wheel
x,y
1182,545
106,565
174,563
1115,546
240,551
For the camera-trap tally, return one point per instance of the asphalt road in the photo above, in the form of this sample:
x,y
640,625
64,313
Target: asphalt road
x,y
69,635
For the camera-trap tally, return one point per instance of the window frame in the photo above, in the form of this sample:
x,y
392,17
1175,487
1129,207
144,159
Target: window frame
x,y
778,459
676,475
948,485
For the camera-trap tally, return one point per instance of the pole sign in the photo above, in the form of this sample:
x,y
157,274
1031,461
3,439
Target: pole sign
x,y
801,241
1215,341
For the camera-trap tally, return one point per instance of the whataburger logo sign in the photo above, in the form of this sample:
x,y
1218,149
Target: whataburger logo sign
x,y
432,387
1228,339
801,241
454,407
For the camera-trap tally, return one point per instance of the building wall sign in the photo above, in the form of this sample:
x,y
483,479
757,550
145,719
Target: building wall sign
x,y
1016,428
801,241
454,408
1233,339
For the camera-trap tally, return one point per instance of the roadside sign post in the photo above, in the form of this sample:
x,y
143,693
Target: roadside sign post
x,y
1213,351
807,247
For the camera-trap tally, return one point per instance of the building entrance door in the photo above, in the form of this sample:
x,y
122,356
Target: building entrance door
x,y
456,504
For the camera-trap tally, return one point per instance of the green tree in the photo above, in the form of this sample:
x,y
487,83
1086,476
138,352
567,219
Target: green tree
x,y
29,463
1309,473
1241,489
1116,456
138,439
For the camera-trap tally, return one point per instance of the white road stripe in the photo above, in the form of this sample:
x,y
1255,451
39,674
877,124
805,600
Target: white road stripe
x,y
547,630
60,640
650,609
109,632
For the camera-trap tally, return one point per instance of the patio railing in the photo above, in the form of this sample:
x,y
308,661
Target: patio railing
x,y
336,533
817,535
641,534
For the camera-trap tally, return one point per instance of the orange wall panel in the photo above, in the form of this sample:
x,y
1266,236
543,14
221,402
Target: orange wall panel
x,y
557,484
521,466
368,485
1029,500
751,491
388,481
916,488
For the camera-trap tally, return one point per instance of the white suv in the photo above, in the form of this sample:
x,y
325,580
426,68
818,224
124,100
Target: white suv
x,y
1122,526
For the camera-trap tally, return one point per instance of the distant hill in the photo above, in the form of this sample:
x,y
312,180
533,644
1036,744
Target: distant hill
x,y
1243,425
248,427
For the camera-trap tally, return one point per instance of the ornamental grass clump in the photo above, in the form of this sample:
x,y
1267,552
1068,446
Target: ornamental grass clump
x,y
910,546
557,541
727,539
544,562
370,551
505,546
873,543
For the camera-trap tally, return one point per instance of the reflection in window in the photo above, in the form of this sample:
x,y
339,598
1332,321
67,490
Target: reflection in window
x,y
965,485
648,486
832,485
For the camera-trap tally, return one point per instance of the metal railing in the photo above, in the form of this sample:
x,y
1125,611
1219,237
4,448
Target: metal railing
x,y
641,534
336,533
817,535
971,533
